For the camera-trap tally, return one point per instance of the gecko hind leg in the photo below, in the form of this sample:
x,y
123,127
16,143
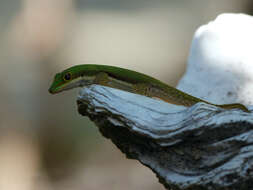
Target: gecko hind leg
x,y
143,89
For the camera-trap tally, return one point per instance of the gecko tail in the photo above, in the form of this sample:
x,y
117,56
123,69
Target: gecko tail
x,y
234,106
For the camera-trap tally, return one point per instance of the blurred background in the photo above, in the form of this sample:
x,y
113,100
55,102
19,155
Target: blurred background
x,y
44,142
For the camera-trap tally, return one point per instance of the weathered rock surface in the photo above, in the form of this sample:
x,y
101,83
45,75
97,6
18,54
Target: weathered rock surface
x,y
200,147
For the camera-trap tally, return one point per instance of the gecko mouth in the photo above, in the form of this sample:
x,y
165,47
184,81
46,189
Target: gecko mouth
x,y
61,88
78,82
54,91
57,89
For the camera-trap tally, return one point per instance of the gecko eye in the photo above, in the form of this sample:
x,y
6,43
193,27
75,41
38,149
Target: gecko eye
x,y
67,77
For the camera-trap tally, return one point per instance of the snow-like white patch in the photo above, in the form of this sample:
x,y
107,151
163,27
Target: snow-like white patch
x,y
220,64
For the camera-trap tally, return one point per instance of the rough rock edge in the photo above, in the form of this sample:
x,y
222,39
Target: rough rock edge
x,y
201,147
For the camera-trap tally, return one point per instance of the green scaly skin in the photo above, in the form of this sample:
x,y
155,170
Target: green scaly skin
x,y
124,79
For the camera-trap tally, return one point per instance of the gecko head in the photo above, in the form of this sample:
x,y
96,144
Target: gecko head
x,y
65,80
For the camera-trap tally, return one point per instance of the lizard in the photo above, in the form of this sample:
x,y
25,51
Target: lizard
x,y
127,80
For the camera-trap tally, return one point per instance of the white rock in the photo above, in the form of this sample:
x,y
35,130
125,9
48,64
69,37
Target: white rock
x,y
220,64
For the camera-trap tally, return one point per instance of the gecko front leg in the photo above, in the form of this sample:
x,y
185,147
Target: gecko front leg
x,y
102,79
106,80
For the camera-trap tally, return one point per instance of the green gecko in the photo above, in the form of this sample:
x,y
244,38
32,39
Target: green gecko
x,y
124,79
